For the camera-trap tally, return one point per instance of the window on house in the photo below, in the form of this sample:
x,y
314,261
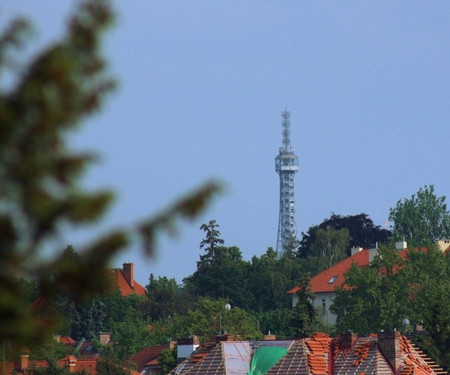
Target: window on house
x,y
333,279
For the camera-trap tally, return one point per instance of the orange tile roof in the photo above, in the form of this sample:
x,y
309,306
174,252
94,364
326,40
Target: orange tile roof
x,y
121,282
66,340
147,356
334,277
321,282
321,355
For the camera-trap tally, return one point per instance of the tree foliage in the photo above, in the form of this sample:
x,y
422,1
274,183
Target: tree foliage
x,y
221,271
130,336
424,217
391,289
164,297
328,248
109,363
429,275
277,322
50,351
303,317
269,277
373,298
206,318
51,369
362,231
167,360
40,192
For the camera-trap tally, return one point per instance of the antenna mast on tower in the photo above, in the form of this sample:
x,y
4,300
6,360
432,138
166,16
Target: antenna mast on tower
x,y
286,165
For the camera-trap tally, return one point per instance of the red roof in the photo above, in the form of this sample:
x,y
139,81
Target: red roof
x,y
126,289
333,277
121,278
66,340
347,354
148,356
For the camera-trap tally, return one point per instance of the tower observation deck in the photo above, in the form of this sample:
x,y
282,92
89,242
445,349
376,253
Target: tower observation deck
x,y
286,165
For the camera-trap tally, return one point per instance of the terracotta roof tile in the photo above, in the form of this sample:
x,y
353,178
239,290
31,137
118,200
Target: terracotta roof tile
x,y
295,362
207,359
119,280
320,355
320,282
147,356
67,340
333,277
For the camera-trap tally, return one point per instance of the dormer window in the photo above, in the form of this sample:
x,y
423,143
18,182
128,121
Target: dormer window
x,y
333,279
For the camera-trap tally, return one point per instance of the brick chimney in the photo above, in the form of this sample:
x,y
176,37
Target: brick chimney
x,y
21,362
71,363
389,345
347,339
224,337
104,337
128,273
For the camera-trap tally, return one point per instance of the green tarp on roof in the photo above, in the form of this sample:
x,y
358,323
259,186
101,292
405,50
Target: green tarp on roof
x,y
264,358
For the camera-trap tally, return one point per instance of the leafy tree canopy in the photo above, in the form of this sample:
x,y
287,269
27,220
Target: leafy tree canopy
x,y
372,298
168,360
424,217
164,297
269,277
328,248
109,363
362,231
206,319
391,289
130,336
304,315
221,271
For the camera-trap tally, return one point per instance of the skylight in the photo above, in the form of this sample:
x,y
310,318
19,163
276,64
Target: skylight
x,y
333,279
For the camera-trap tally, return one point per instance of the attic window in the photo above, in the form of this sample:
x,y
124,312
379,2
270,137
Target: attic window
x,y
333,279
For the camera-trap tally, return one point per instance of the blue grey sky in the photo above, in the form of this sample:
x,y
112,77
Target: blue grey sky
x,y
202,85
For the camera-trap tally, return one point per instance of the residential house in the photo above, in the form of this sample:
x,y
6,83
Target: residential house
x,y
325,283
86,358
385,353
146,361
123,278
22,365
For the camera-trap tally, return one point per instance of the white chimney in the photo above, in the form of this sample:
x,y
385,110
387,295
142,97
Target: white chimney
x,y
372,254
401,245
185,347
443,245
355,249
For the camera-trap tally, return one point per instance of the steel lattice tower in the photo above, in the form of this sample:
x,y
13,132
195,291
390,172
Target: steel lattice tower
x,y
286,165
